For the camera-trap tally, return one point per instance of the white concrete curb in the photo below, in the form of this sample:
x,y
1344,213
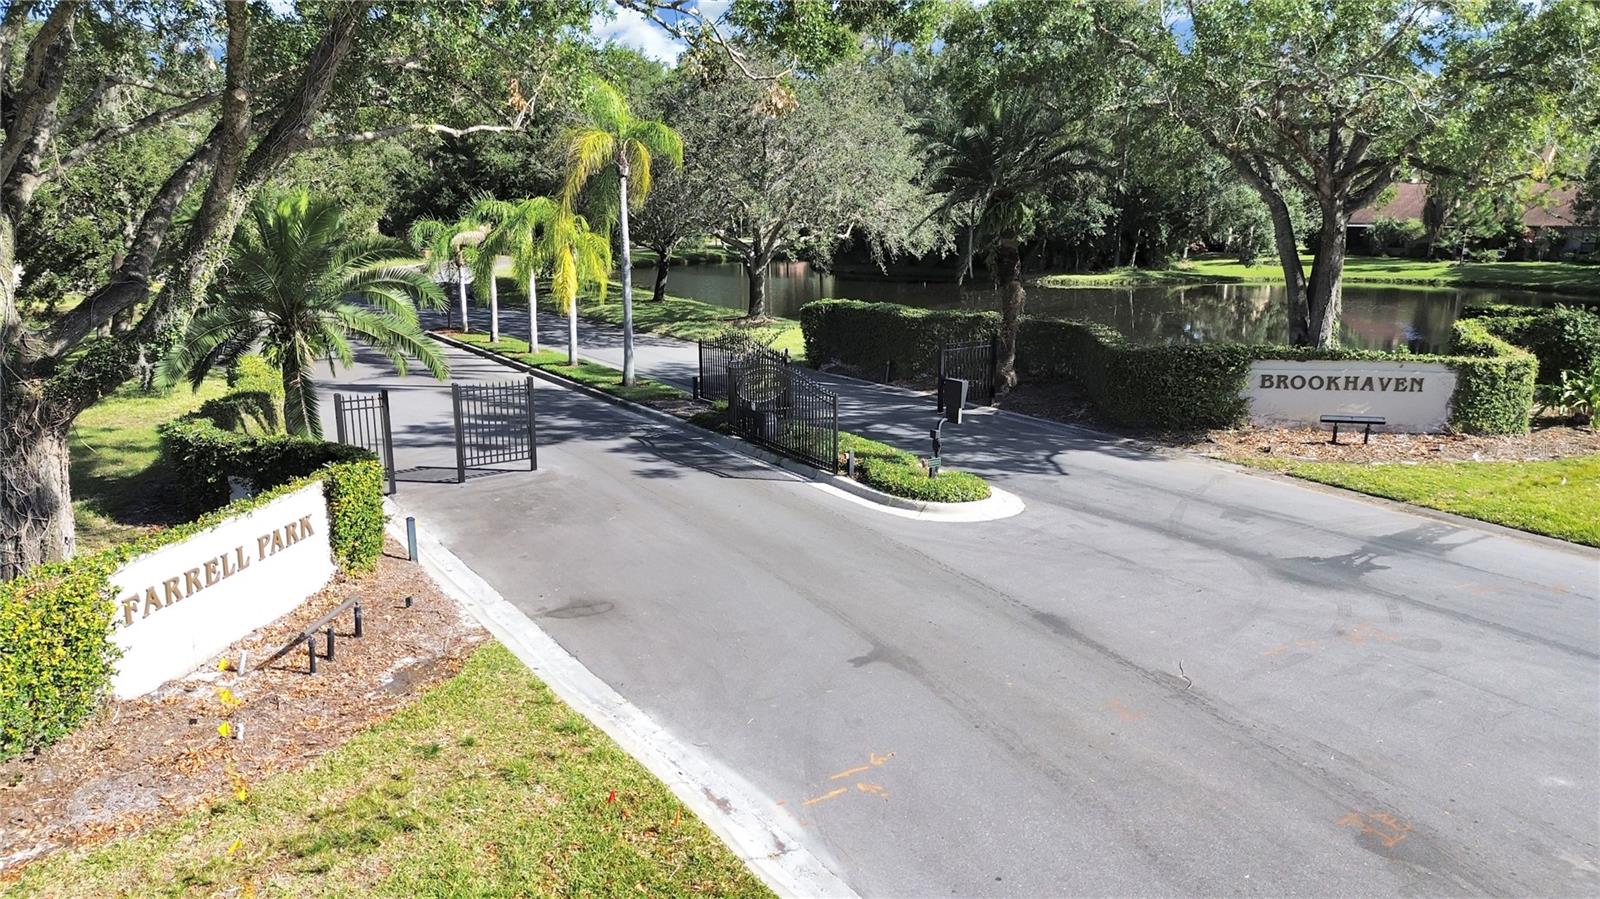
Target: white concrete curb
x,y
1000,504
752,825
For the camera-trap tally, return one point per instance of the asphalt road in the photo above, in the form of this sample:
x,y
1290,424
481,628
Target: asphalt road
x,y
1166,677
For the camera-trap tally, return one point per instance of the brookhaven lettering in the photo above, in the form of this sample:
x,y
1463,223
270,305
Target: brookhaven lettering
x,y
212,571
1347,383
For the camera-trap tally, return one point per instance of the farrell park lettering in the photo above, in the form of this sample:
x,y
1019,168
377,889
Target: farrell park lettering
x,y
213,570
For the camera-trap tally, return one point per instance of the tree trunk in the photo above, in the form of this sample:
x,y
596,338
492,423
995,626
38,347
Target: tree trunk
x,y
1324,292
660,292
494,306
461,293
756,272
533,314
627,282
572,332
35,493
1008,281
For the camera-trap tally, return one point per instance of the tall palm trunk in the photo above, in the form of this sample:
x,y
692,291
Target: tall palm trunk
x,y
627,280
461,292
1008,280
572,332
533,314
494,306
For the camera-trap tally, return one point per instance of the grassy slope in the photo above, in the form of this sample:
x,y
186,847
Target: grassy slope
x,y
486,786
1561,277
118,486
1558,498
672,317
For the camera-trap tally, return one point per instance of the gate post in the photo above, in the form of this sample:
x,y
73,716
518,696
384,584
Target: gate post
x,y
994,368
338,417
388,437
938,395
533,433
461,440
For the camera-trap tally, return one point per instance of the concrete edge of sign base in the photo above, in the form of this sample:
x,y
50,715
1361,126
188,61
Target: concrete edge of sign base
x,y
764,838
999,504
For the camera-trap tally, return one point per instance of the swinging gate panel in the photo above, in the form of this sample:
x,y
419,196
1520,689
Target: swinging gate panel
x,y
364,421
494,425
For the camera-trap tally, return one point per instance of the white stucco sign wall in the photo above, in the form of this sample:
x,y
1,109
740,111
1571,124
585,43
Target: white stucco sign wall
x,y
184,603
1412,396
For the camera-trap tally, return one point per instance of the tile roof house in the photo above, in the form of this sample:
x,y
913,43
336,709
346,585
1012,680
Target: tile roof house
x,y
1551,211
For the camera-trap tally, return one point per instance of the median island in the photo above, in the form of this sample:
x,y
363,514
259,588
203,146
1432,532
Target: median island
x,y
878,465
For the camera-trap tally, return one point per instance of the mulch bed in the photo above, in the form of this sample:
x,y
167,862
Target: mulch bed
x,y
155,757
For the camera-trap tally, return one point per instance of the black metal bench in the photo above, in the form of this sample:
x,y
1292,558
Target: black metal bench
x,y
1366,420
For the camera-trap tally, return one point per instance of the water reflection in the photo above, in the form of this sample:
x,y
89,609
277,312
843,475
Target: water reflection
x,y
1374,317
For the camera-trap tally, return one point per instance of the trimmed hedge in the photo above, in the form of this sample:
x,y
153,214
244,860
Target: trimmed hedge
x,y
56,652
899,473
1156,385
871,334
1565,338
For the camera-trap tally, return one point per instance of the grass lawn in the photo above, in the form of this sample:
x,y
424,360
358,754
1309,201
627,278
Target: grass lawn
x,y
486,786
1558,498
672,317
119,488
1559,277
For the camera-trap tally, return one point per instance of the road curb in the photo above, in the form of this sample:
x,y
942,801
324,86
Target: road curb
x,y
766,841
999,504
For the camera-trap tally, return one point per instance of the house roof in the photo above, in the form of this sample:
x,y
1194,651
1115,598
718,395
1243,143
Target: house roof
x,y
1548,208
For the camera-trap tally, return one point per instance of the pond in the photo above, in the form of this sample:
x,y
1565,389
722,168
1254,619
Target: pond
x,y
1375,317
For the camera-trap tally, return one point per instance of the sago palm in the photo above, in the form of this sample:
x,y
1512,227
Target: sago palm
x,y
451,247
300,287
611,153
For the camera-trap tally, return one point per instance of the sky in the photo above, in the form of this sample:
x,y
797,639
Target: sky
x,y
631,29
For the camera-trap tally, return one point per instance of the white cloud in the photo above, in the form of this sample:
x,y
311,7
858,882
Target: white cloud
x,y
631,29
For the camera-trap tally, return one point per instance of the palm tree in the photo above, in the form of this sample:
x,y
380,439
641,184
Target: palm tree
x,y
579,256
300,286
453,241
609,148
994,162
517,230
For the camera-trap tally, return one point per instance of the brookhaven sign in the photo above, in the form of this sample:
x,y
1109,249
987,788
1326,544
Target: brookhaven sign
x,y
183,603
1411,396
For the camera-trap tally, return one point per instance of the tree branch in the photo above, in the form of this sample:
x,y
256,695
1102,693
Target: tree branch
x,y
110,133
364,137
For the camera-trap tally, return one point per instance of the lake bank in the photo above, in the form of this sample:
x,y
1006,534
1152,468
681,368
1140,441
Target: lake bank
x,y
1578,281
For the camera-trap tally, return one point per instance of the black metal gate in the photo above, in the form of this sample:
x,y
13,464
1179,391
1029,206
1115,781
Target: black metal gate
x,y
973,361
364,421
715,357
494,425
773,404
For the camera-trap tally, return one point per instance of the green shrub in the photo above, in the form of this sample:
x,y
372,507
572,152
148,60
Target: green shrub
x,y
354,491
254,397
1155,385
1494,381
56,653
899,473
869,335
1563,338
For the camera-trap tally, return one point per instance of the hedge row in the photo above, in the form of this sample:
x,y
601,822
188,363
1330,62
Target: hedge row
x,y
1154,385
1564,338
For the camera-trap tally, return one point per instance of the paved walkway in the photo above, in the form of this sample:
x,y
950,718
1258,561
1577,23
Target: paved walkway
x,y
1165,677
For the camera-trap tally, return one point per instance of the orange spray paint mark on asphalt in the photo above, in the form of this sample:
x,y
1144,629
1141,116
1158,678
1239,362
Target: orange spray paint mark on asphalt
x,y
849,771
825,796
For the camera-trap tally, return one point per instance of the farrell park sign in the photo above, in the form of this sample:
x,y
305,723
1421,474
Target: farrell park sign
x,y
183,603
1410,396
